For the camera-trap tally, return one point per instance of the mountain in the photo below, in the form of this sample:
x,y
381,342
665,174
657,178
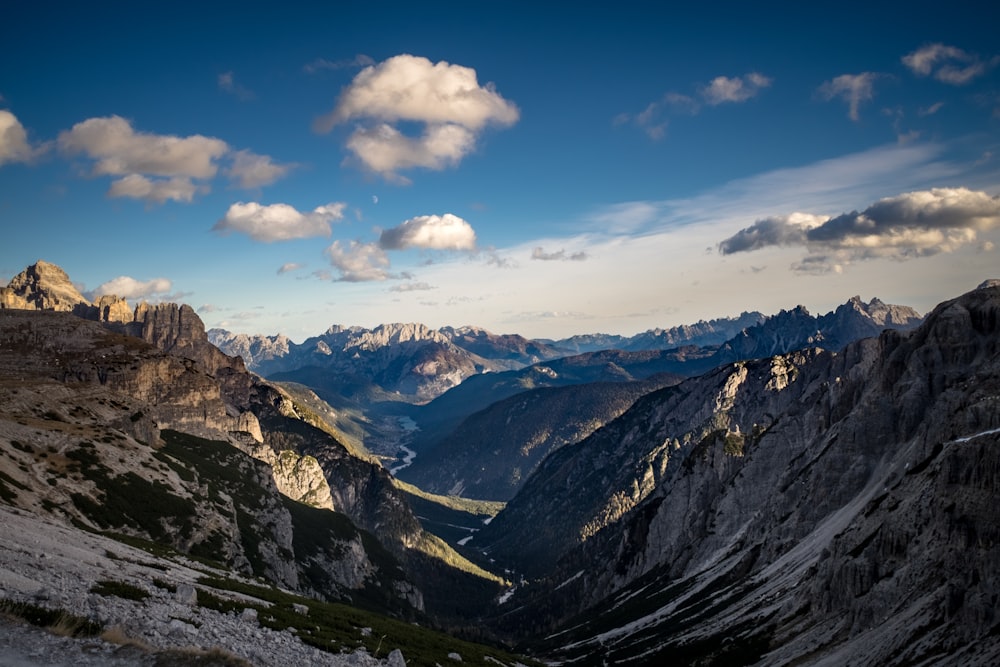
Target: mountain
x,y
797,328
819,507
392,362
141,381
492,452
461,446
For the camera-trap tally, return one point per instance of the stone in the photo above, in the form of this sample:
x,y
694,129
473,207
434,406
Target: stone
x,y
395,659
249,615
187,595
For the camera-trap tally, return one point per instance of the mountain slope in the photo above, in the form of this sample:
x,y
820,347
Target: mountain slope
x,y
817,507
492,452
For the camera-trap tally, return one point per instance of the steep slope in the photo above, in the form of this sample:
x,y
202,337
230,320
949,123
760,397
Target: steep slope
x,y
492,452
161,357
817,507
83,437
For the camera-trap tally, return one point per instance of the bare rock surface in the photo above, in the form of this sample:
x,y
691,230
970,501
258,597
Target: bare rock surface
x,y
55,566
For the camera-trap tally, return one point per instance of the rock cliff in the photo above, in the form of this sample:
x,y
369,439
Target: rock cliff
x,y
821,507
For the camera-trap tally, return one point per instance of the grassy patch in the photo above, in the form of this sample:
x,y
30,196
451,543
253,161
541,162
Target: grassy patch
x,y
59,621
121,589
333,627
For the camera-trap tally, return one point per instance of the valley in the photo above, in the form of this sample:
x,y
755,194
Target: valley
x,y
779,490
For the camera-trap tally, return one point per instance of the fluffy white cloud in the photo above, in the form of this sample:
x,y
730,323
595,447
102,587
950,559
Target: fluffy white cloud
x,y
437,232
852,88
136,186
737,89
446,98
948,64
250,170
358,262
914,224
119,150
385,150
14,145
412,88
159,167
278,222
127,287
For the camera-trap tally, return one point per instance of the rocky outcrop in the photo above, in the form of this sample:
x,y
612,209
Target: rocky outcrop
x,y
111,308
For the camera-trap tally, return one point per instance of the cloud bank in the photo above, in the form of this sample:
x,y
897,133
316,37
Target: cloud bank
x,y
445,98
278,222
907,226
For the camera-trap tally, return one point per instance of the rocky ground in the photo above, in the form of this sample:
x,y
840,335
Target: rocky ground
x,y
56,566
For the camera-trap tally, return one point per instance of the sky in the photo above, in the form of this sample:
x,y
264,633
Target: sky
x,y
536,168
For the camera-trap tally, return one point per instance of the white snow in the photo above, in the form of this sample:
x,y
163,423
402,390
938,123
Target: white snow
x,y
967,438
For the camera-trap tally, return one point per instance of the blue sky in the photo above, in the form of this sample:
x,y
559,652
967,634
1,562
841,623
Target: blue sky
x,y
524,167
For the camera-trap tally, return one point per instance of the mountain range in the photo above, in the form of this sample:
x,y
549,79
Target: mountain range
x,y
805,490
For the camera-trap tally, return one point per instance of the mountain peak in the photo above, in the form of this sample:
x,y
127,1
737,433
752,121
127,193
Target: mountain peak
x,y
42,286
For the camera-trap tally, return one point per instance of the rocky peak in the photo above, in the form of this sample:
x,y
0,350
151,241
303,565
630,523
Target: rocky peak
x,y
42,286
111,308
992,282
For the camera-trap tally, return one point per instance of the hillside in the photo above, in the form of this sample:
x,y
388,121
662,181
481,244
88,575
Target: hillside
x,y
819,507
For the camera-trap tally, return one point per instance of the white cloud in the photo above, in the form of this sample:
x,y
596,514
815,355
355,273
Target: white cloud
x,y
913,224
948,64
852,88
127,287
446,98
737,89
14,145
208,308
136,186
183,164
412,287
288,267
385,150
120,150
227,83
437,232
278,222
358,262
251,170
654,119
560,255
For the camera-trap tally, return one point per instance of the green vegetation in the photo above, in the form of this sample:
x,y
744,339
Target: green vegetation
x,y
336,627
119,589
57,620
482,508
